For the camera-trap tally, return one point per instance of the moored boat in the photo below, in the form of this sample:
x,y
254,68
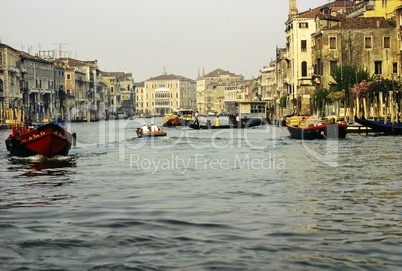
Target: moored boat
x,y
390,128
244,123
317,130
47,139
243,115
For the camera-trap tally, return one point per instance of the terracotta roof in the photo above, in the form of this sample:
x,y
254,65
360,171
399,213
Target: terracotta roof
x,y
116,74
338,17
25,55
165,77
2,45
218,72
364,22
140,84
74,62
335,6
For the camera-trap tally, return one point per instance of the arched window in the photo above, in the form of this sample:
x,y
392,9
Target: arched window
x,y
304,68
1,59
1,84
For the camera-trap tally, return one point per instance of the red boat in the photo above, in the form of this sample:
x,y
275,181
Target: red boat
x,y
48,139
316,131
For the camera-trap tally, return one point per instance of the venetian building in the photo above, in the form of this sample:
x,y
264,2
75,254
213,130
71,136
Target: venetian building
x,y
140,103
398,39
29,84
374,8
82,88
10,95
281,66
267,86
127,93
299,74
240,91
211,90
39,84
165,93
362,41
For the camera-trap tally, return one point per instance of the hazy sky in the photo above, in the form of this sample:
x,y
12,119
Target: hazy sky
x,y
144,36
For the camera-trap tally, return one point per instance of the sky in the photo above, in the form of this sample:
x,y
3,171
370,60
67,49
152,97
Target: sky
x,y
148,37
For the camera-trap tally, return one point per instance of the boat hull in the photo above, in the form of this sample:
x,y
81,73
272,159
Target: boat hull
x,y
379,126
243,123
329,131
175,122
47,140
141,134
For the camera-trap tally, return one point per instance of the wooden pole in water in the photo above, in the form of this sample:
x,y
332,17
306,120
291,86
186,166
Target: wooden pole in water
x,y
365,108
381,112
385,109
358,107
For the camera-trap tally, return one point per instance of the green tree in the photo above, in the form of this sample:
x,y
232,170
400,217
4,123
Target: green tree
x,y
347,76
283,101
321,98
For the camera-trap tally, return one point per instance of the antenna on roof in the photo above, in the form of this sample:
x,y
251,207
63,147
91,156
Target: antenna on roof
x,y
60,51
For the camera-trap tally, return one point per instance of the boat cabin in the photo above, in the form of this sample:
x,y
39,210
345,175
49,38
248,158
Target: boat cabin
x,y
186,114
252,110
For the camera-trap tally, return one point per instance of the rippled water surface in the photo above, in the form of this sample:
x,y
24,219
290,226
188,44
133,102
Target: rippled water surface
x,y
203,200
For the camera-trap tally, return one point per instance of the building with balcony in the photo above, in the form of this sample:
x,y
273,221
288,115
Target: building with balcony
x,y
299,74
83,83
165,93
374,8
211,90
140,98
10,93
363,41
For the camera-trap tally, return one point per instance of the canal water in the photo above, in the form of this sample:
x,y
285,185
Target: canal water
x,y
250,199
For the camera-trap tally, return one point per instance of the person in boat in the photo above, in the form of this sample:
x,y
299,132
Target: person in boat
x,y
154,128
331,120
302,123
144,128
238,122
196,122
28,121
217,121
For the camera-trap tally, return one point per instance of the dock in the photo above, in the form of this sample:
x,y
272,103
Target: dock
x,y
357,128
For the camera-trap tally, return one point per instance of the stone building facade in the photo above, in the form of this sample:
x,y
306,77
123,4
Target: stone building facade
x,y
367,42
120,93
10,94
299,27
165,93
211,90
140,103
63,89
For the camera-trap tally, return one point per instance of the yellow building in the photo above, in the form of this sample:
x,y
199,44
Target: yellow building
x,y
140,102
166,93
10,95
299,74
120,92
375,8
